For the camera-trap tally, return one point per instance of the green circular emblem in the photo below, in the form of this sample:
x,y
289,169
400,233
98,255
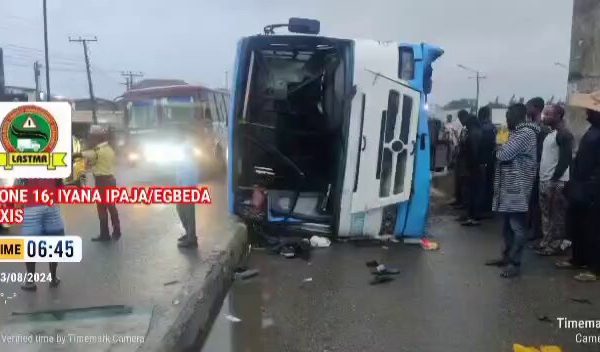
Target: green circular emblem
x,y
29,129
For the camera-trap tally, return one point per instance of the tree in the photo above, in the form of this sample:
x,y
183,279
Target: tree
x,y
467,104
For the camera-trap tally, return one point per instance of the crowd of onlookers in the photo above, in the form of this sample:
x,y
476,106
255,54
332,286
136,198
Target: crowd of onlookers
x,y
546,193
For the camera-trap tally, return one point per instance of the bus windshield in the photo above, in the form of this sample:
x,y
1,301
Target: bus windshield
x,y
176,110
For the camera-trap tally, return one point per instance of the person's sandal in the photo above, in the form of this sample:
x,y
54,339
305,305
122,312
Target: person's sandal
x,y
535,246
511,272
565,264
29,286
471,223
546,252
55,282
586,276
497,262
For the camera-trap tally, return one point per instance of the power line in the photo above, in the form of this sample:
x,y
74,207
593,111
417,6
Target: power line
x,y
31,51
46,51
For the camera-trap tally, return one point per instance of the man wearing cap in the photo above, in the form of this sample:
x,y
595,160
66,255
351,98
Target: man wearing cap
x,y
583,193
103,160
187,174
557,155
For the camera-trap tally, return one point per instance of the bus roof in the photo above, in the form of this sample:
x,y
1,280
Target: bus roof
x,y
167,91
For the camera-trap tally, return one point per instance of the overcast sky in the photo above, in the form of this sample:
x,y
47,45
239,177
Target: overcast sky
x,y
514,42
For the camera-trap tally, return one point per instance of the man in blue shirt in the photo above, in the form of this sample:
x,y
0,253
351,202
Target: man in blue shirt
x,y
188,175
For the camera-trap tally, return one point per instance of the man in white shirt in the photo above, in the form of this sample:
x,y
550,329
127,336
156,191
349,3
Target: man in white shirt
x,y
557,153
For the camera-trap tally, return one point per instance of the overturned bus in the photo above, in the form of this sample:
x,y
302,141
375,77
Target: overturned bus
x,y
329,136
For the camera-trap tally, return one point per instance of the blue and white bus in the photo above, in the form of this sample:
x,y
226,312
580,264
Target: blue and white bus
x,y
330,135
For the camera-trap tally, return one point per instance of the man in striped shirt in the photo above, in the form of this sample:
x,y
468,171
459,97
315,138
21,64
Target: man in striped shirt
x,y
41,220
516,171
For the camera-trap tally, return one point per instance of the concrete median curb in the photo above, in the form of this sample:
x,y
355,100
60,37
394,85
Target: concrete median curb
x,y
186,321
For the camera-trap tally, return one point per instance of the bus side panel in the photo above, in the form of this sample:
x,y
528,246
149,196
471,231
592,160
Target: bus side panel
x,y
235,102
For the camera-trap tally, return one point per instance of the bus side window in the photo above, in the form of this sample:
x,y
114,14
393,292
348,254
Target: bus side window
x,y
223,98
208,119
406,63
215,116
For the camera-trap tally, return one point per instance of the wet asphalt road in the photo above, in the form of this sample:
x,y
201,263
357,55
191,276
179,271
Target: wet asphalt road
x,y
441,301
131,271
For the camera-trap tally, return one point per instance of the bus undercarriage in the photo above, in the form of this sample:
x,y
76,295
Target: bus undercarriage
x,y
292,131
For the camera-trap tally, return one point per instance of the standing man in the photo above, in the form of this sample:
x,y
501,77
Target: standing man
x,y
475,173
188,175
488,150
535,107
42,220
460,168
434,133
513,182
450,134
103,160
583,194
554,173
447,143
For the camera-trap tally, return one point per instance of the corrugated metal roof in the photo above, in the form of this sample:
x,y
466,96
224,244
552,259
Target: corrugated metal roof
x,y
157,82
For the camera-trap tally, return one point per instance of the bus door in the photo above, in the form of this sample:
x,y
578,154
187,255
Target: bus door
x,y
389,113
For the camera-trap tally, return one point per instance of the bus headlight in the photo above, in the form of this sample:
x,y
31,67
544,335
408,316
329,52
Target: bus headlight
x,y
163,153
133,156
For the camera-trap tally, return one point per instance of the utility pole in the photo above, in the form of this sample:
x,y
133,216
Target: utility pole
x,y
129,76
478,77
36,76
126,83
47,59
226,80
2,89
89,73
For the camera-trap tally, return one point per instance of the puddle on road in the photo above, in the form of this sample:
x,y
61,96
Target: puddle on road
x,y
107,328
244,302
76,313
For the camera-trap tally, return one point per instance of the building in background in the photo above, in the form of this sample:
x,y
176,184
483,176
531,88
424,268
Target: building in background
x,y
29,93
108,112
584,66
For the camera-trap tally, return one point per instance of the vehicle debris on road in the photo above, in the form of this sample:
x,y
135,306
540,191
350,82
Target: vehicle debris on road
x,y
232,319
381,269
581,300
246,274
381,279
320,242
429,245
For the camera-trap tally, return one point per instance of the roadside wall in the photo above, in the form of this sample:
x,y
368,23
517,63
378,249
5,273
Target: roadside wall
x,y
584,66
